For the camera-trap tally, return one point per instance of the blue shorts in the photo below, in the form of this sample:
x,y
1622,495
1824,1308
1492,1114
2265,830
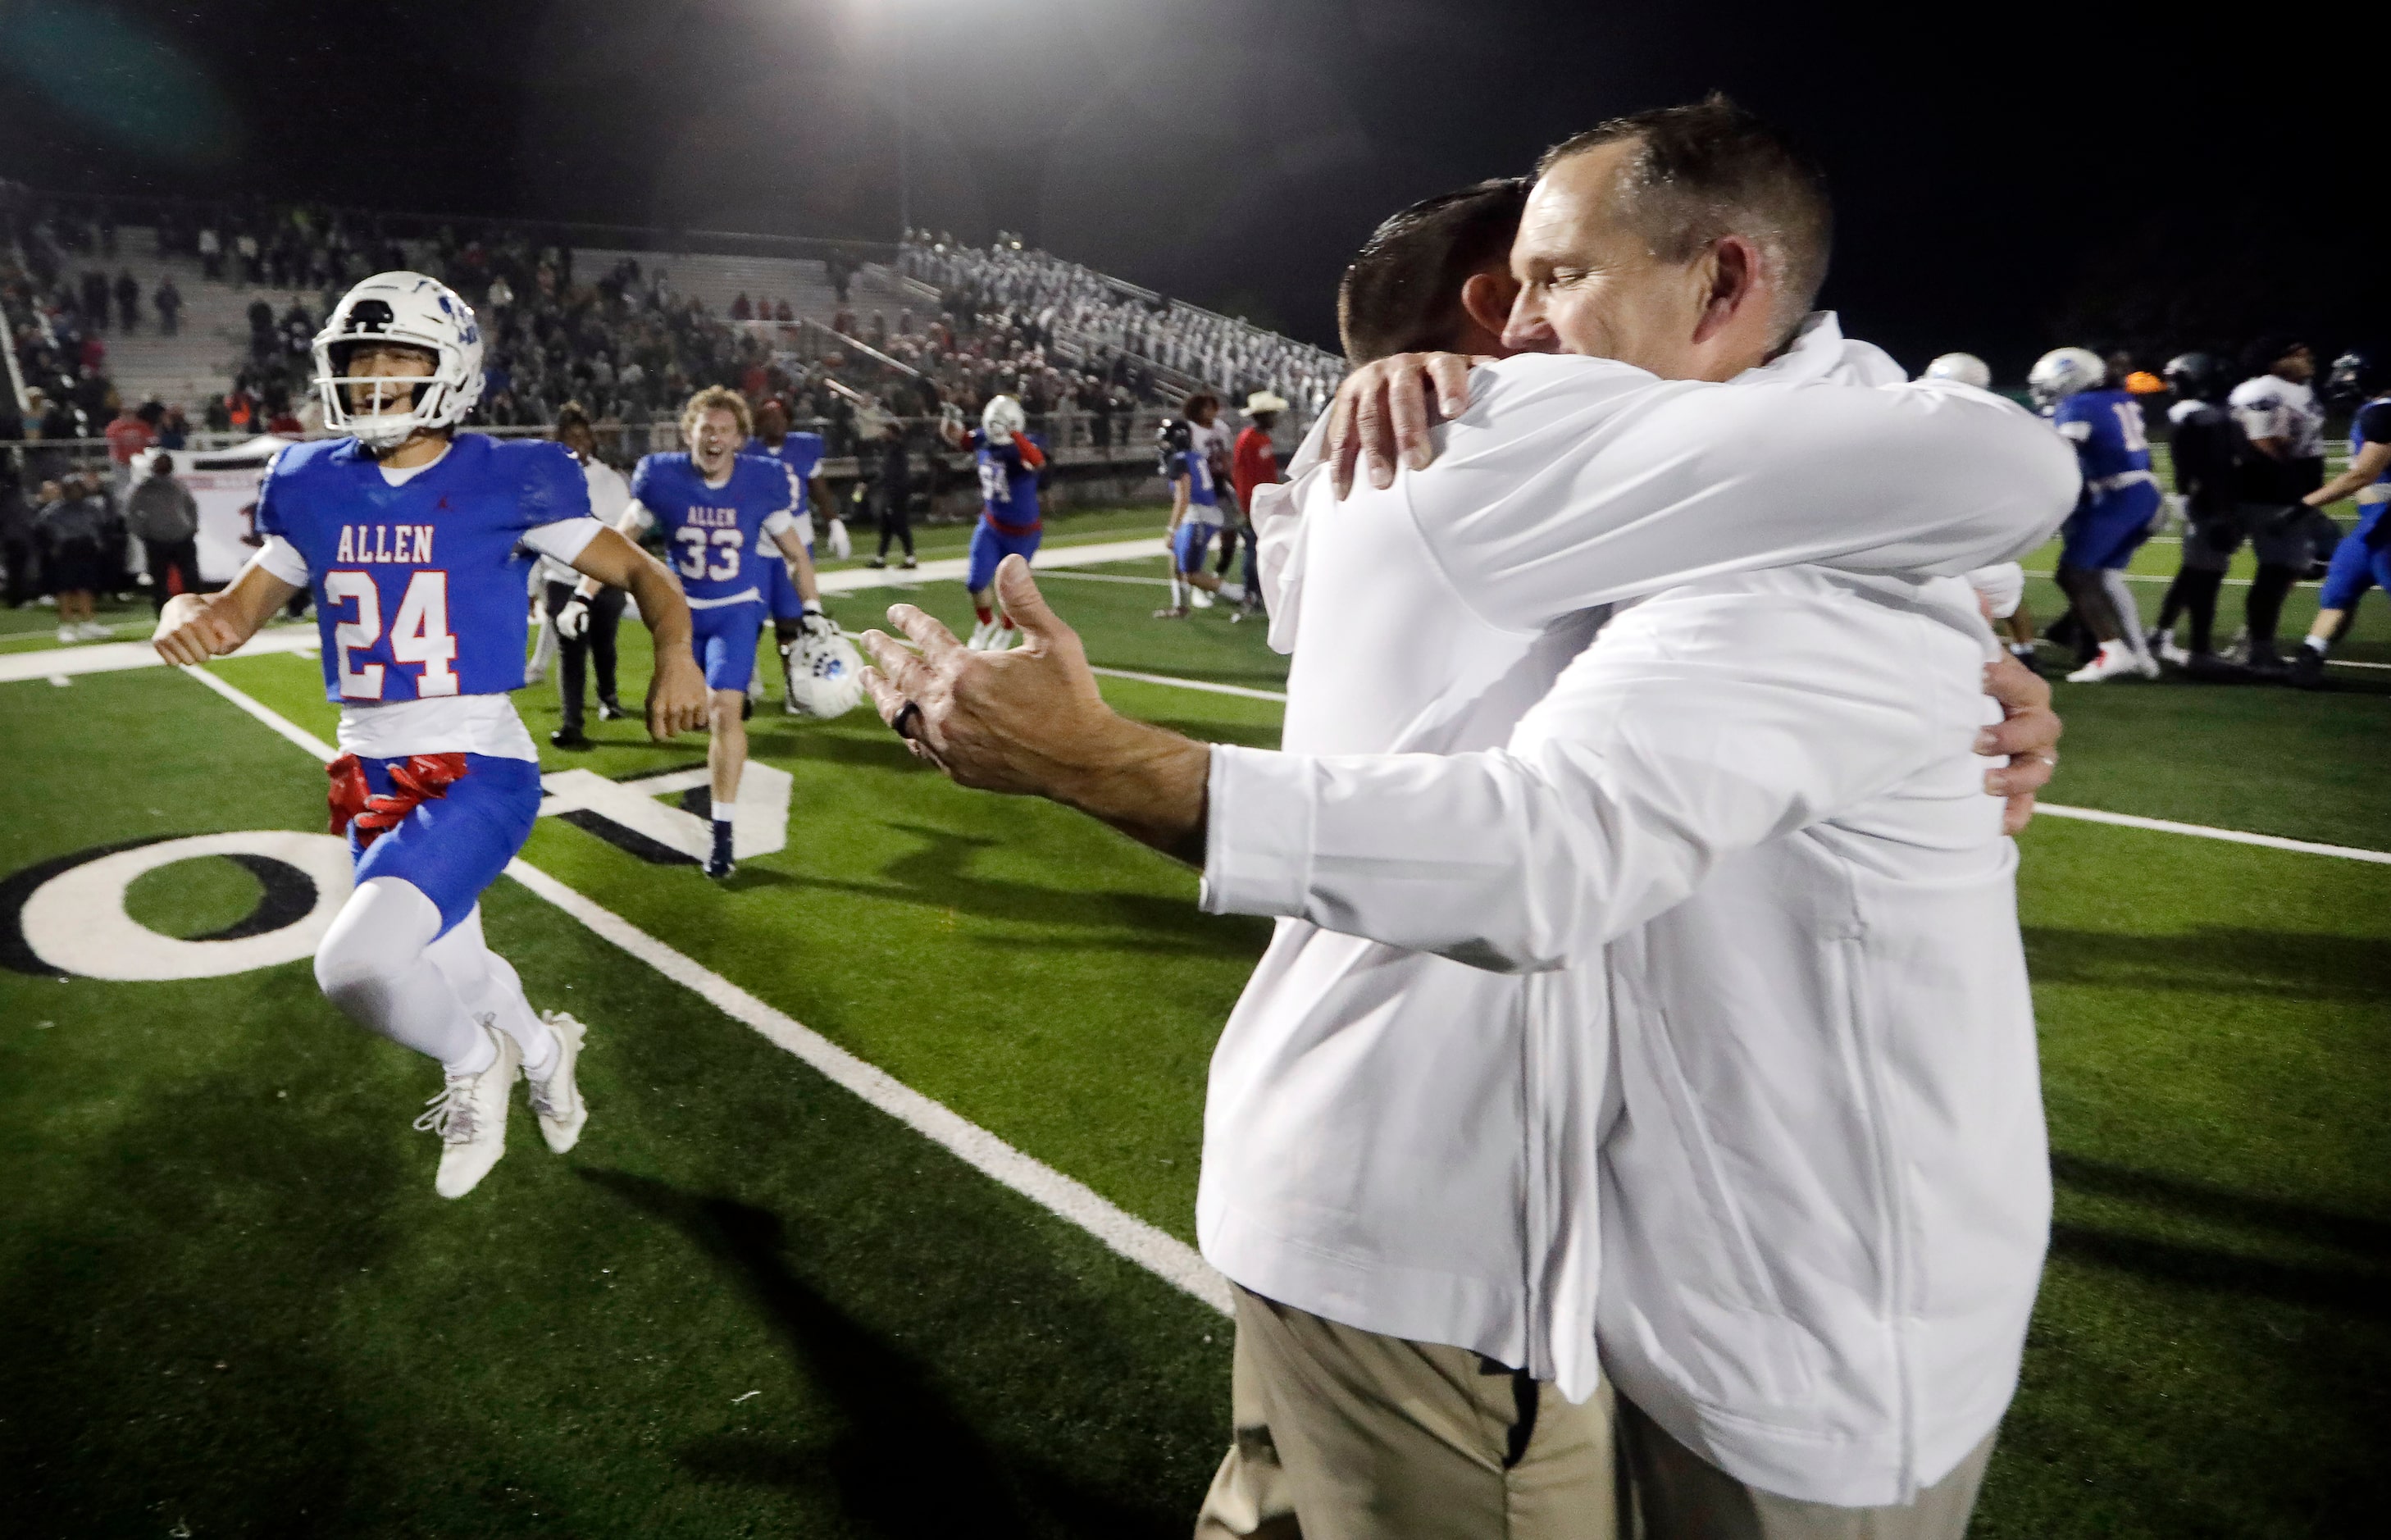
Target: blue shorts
x,y
1193,544
724,639
781,596
2357,566
990,545
451,847
2108,532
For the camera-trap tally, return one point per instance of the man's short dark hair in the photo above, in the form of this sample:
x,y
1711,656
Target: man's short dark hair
x,y
1403,292
1713,169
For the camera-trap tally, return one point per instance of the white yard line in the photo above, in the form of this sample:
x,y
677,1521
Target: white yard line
x,y
2202,831
949,569
1205,685
1111,577
1164,1255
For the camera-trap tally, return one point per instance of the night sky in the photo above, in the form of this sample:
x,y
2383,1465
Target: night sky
x,y
2008,178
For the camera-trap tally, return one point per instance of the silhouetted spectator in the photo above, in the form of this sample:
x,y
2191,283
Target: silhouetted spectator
x,y
163,516
128,299
169,300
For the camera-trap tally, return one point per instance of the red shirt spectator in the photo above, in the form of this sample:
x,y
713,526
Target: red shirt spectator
x,y
285,423
1254,463
127,436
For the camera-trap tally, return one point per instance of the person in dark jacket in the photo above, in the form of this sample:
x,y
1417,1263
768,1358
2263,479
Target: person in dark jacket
x,y
74,526
2205,446
128,300
892,493
164,517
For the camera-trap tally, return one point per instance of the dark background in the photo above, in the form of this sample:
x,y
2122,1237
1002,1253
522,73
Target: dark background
x,y
2008,179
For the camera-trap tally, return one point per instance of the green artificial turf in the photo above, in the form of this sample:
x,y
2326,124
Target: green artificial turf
x,y
220,1172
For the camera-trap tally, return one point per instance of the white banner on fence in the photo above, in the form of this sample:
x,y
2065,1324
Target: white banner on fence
x,y
224,483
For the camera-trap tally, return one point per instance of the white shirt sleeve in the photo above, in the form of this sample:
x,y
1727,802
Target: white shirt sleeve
x,y
779,522
641,519
1574,482
1699,724
609,492
565,539
281,558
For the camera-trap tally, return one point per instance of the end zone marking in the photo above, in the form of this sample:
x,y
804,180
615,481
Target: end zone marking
x,y
1162,1254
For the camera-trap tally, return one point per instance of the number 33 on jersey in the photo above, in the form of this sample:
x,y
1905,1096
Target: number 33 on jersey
x,y
419,585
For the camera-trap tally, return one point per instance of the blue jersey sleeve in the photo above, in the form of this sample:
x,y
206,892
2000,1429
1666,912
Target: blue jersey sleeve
x,y
273,510
554,485
805,454
643,483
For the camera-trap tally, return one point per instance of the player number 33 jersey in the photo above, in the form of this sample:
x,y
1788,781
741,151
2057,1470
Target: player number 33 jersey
x,y
419,581
713,531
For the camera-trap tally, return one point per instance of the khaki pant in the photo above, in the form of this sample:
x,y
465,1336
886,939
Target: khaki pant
x,y
1374,1438
1683,1497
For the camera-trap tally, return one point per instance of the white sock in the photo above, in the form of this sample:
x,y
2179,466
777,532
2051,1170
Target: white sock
x,y
1178,591
724,811
2129,614
1233,592
372,964
2320,644
489,987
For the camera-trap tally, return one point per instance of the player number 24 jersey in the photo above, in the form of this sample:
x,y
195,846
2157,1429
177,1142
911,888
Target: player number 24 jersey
x,y
418,587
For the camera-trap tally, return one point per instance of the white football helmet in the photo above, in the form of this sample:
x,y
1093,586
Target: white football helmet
x,y
825,673
420,312
1961,368
2063,372
1002,417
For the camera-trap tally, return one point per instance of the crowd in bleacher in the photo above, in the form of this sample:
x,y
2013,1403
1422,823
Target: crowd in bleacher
x,y
1075,347
1115,329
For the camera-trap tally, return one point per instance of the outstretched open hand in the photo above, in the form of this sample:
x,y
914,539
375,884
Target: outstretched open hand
x,y
1029,721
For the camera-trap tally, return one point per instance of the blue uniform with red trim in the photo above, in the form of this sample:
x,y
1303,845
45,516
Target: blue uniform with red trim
x,y
2363,560
2120,501
802,453
418,597
1203,519
712,535
1009,523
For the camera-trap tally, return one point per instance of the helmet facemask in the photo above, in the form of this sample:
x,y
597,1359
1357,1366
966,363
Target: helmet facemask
x,y
407,310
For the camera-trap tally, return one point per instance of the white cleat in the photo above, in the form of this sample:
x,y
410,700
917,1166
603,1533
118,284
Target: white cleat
x,y
556,1099
983,636
2115,661
2167,649
1200,599
469,1115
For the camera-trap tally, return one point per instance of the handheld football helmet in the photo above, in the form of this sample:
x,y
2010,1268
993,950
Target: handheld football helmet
x,y
2063,372
824,672
2354,379
1961,368
2198,377
1176,437
419,312
1002,417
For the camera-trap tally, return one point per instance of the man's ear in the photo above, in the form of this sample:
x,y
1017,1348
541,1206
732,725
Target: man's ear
x,y
1732,266
1486,299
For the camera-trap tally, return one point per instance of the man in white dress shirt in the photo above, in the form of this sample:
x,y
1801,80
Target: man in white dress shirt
x,y
1406,1110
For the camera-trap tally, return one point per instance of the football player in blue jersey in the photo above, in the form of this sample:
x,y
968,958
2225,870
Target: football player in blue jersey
x,y
1009,462
1186,461
416,541
2115,514
2362,560
714,505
